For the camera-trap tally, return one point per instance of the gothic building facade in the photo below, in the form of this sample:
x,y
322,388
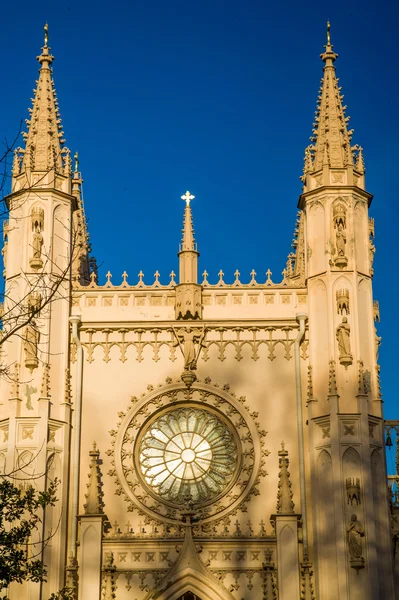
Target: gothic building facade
x,y
212,441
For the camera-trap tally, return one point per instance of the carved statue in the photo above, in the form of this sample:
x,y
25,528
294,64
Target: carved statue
x,y
31,343
344,346
37,218
340,240
186,339
37,244
355,532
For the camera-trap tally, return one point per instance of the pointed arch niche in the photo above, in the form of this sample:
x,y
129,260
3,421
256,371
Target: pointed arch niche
x,y
326,548
317,238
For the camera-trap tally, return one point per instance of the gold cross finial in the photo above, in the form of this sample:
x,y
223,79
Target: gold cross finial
x,y
46,35
187,197
328,33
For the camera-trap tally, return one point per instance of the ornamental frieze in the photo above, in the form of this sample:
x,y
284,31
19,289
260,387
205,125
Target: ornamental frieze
x,y
242,339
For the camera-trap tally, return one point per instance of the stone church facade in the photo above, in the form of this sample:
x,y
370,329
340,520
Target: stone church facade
x,y
212,441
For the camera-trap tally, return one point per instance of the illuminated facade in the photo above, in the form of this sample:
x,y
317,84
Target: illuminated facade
x,y
213,441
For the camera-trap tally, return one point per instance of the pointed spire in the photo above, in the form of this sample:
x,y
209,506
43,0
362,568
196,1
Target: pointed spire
x,y
331,137
285,503
188,241
188,254
307,587
44,141
93,504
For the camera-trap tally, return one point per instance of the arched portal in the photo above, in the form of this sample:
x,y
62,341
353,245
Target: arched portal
x,y
189,596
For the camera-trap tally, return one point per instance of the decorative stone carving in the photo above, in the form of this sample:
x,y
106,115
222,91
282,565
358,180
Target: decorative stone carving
x,y
285,503
344,345
339,215
187,339
343,302
37,219
108,585
339,219
211,404
332,380
188,301
355,533
340,238
307,587
353,491
94,494
31,342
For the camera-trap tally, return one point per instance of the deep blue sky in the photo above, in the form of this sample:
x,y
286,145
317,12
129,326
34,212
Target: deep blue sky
x,y
218,98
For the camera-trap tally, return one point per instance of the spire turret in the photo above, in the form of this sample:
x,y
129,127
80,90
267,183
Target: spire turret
x,y
188,292
188,254
44,150
330,146
188,241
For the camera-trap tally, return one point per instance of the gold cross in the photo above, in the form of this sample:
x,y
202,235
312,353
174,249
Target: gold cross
x,y
187,197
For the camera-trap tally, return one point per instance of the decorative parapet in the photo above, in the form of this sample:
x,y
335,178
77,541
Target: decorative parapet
x,y
286,281
290,279
124,283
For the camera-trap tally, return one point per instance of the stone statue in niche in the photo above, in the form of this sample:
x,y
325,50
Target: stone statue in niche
x,y
339,218
355,533
36,261
344,345
340,241
190,341
31,342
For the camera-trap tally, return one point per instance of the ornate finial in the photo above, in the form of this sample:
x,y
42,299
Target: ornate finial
x,y
68,391
332,381
45,389
76,158
360,161
285,504
15,382
46,35
328,33
187,197
310,383
307,591
94,504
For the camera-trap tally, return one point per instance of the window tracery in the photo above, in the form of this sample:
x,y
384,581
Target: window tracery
x,y
188,453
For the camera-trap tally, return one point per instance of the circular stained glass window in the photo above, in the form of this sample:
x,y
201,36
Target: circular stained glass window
x,y
188,452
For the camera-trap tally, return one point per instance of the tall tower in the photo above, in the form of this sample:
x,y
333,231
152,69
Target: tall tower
x,y
45,244
346,443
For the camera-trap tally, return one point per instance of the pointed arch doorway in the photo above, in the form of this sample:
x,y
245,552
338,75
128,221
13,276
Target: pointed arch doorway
x,y
189,596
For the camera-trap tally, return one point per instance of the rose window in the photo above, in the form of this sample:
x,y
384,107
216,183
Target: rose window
x,y
188,452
